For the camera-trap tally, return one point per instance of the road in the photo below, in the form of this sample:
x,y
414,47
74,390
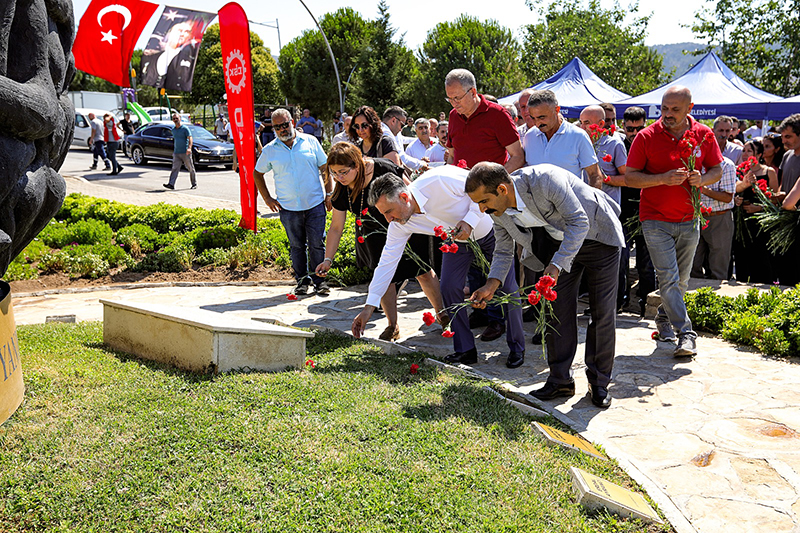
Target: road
x,y
214,183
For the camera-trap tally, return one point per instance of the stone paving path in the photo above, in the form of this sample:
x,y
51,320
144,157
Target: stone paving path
x,y
715,441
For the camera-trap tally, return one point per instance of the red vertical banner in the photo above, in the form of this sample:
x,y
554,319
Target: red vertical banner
x,y
234,37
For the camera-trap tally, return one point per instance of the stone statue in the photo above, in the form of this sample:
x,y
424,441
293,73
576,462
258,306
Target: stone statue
x,y
37,120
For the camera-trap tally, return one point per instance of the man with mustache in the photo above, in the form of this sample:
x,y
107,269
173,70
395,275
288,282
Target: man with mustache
x,y
666,209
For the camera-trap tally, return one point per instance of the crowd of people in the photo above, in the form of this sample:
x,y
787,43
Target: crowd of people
x,y
537,198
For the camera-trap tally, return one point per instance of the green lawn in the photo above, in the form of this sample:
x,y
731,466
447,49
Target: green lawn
x,y
105,442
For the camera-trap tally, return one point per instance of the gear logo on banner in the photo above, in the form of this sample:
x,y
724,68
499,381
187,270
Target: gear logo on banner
x,y
233,71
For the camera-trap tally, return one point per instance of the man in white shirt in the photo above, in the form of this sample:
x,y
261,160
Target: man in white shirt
x,y
754,131
522,103
423,141
438,152
723,126
98,142
437,200
393,118
343,136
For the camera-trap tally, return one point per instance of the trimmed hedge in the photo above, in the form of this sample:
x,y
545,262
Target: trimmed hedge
x,y
768,320
89,236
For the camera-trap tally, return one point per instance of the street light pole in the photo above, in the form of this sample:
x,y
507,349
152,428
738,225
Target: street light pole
x,y
333,58
269,25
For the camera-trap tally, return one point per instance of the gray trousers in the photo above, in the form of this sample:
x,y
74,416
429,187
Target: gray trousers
x,y
186,159
599,263
713,255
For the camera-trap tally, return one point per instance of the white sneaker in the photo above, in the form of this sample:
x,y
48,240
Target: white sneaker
x,y
687,347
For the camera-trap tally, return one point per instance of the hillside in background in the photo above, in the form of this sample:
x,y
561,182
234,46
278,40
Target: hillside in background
x,y
675,58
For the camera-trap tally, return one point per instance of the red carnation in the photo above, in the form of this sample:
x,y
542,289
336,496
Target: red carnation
x,y
358,222
453,248
549,295
762,184
448,334
654,335
438,230
593,127
534,298
361,239
607,158
291,297
768,194
414,368
606,180
705,226
544,283
364,212
428,318
445,248
311,363
443,235
613,129
462,163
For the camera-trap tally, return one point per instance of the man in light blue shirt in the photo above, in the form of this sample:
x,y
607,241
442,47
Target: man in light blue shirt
x,y
556,141
296,160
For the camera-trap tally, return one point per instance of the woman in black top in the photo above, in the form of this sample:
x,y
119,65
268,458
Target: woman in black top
x,y
354,175
754,262
366,128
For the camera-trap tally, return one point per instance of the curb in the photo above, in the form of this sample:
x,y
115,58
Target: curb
x,y
155,285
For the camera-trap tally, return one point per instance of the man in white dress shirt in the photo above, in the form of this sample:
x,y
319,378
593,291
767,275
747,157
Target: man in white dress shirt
x,y
437,199
393,118
418,148
438,152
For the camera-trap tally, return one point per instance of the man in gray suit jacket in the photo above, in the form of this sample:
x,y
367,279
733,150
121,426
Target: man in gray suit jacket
x,y
586,222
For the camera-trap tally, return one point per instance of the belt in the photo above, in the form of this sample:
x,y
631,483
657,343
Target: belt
x,y
715,213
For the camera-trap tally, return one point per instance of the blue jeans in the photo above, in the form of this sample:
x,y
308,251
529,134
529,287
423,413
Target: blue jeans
x,y
306,232
111,152
99,151
672,246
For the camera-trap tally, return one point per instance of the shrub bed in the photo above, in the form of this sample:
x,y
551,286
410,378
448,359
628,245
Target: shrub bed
x,y
91,236
768,320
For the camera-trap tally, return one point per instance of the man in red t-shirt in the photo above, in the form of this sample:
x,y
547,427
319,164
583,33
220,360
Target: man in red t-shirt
x,y
479,130
666,209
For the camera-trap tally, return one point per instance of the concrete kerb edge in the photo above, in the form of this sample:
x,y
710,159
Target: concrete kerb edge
x,y
158,285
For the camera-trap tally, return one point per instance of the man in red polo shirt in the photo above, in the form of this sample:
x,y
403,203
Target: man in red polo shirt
x,y
479,130
666,209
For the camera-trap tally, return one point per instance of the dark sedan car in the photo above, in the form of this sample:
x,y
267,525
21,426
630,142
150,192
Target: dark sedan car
x,y
154,141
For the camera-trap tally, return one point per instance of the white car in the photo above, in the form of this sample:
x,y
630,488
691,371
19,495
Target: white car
x,y
83,131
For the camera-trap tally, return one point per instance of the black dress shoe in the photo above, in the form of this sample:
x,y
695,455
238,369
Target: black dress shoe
x,y
536,339
470,357
478,320
515,359
493,331
600,396
554,390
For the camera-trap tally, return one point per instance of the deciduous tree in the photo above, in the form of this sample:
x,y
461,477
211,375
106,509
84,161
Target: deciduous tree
x,y
599,37
757,39
486,49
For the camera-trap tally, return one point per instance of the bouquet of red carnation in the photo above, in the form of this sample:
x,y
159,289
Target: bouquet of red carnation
x,y
541,296
744,167
450,247
687,153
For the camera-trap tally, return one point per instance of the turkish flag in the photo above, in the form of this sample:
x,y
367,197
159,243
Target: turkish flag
x,y
107,34
234,39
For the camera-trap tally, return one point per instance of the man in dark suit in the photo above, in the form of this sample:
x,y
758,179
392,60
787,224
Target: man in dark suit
x,y
586,222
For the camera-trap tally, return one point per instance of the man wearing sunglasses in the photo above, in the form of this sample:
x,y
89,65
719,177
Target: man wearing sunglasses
x,y
296,159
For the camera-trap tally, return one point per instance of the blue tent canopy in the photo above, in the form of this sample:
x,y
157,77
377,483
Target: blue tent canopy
x,y
576,87
783,108
716,90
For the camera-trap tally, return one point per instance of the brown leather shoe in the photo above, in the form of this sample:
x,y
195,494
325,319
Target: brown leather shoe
x,y
391,333
493,331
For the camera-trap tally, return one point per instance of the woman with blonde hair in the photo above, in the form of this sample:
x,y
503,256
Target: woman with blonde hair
x,y
353,176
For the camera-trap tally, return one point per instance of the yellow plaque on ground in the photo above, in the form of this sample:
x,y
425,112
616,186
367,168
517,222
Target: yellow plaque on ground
x,y
11,386
596,493
575,443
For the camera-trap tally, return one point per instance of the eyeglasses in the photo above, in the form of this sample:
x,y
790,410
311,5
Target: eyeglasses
x,y
457,99
631,129
340,174
360,126
281,126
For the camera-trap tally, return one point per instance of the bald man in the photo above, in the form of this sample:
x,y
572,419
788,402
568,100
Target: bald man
x,y
666,209
608,145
